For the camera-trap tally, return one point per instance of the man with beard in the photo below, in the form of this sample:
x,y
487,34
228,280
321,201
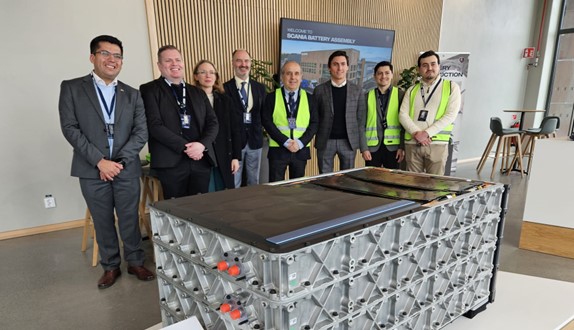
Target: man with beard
x,y
248,96
427,113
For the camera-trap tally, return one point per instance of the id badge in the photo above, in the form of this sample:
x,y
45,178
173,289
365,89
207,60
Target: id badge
x,y
110,130
292,123
185,120
423,115
247,117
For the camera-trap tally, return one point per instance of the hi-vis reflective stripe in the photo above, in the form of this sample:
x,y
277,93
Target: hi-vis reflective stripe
x,y
283,128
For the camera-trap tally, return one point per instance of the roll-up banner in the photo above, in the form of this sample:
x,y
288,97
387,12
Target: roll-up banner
x,y
454,67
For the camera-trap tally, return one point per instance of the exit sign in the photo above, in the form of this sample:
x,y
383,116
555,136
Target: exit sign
x,y
528,52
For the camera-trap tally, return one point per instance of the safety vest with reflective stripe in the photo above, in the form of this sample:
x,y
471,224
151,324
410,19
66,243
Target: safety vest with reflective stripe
x,y
280,116
445,134
392,134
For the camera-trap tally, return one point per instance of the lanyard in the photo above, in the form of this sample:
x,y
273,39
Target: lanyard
x,y
182,105
109,110
425,102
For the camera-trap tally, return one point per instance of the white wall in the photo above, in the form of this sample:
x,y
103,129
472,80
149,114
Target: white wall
x,y
43,43
495,33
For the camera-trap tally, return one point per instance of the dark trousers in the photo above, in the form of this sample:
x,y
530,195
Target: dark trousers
x,y
189,177
123,195
277,168
383,157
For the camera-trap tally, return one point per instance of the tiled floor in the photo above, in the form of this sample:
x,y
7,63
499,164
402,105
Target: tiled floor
x,y
47,283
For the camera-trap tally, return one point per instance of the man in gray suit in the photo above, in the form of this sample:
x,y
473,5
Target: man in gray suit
x,y
341,108
104,121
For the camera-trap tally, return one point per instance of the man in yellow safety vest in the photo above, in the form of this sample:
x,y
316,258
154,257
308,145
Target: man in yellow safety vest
x,y
290,118
427,113
383,131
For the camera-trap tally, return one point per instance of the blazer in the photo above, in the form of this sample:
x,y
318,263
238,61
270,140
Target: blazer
x,y
355,110
251,134
282,153
166,142
83,125
227,144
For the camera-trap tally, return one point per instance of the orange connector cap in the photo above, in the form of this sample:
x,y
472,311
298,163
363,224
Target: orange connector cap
x,y
235,314
234,270
224,308
222,265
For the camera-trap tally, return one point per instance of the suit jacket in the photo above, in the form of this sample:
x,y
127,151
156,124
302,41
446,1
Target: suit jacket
x,y
275,134
166,142
83,125
250,133
227,144
355,111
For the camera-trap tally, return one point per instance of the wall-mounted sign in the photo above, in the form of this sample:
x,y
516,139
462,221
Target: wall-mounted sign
x,y
528,52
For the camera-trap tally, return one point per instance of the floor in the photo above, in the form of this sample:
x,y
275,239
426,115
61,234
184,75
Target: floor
x,y
47,283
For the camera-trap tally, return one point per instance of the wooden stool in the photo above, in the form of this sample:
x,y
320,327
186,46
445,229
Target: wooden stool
x,y
504,136
151,193
89,228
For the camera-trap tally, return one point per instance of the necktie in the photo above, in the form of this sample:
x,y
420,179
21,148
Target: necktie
x,y
291,102
244,94
178,91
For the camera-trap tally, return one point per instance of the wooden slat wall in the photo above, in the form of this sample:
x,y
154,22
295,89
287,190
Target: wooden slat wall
x,y
212,29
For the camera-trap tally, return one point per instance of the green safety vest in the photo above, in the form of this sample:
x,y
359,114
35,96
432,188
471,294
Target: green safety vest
x,y
445,134
391,135
280,116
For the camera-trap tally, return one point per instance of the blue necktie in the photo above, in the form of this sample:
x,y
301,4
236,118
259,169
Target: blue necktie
x,y
244,95
291,102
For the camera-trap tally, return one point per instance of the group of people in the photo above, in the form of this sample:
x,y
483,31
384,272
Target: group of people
x,y
206,136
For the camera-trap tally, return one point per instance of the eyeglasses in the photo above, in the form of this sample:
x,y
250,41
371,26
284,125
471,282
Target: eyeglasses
x,y
107,54
204,72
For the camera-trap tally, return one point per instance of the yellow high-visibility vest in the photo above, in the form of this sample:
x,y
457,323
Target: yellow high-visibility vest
x,y
392,134
280,116
446,132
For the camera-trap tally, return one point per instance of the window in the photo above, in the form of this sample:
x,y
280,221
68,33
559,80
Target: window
x,y
561,92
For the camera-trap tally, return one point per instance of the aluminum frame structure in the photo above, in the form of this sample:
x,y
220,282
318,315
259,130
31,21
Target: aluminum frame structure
x,y
420,268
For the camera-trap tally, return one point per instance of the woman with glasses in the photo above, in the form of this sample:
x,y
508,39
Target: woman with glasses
x,y
227,144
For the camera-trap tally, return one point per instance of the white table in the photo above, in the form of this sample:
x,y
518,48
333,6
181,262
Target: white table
x,y
523,302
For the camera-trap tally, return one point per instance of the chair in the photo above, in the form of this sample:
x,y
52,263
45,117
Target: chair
x,y
151,193
548,126
89,229
505,137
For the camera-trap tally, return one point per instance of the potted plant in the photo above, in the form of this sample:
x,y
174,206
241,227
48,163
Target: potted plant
x,y
260,72
409,77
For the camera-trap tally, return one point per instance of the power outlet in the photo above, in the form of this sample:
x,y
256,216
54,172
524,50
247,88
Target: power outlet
x,y
49,202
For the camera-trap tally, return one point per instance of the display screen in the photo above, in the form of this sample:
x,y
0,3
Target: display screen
x,y
311,43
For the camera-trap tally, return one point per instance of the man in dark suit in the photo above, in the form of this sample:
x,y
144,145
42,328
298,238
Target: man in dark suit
x,y
104,121
290,118
248,96
182,127
341,108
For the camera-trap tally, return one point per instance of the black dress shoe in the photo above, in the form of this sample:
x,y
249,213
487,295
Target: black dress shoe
x,y
109,278
142,273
